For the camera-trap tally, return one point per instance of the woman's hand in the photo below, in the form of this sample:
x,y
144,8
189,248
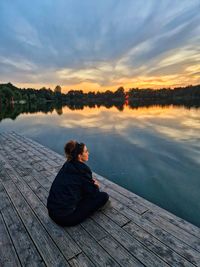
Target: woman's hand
x,y
96,182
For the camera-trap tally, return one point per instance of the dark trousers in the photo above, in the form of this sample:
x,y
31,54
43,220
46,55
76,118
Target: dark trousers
x,y
85,208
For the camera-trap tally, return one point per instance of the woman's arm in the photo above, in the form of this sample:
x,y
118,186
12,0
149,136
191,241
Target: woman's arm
x,y
96,182
90,186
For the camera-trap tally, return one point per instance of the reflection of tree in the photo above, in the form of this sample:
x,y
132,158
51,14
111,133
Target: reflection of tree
x,y
133,104
120,107
74,106
12,111
58,108
59,111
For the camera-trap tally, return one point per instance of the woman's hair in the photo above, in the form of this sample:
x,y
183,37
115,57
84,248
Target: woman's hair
x,y
73,149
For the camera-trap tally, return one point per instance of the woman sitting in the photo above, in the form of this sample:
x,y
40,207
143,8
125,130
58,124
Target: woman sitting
x,y
74,194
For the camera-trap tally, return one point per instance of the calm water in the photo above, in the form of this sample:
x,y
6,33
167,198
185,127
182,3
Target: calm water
x,y
154,152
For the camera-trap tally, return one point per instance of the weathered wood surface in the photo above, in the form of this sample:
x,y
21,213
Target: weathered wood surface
x,y
130,232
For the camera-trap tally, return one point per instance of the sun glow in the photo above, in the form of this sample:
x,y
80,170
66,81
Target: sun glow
x,y
139,82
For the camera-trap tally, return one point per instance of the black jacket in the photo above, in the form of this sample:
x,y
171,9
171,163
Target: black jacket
x,y
72,183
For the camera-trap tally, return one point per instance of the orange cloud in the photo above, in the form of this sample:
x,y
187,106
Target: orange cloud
x,y
190,75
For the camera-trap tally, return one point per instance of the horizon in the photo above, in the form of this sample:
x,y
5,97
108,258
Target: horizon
x,y
65,91
126,90
99,46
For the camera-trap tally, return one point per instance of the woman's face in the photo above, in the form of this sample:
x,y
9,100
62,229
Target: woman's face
x,y
84,156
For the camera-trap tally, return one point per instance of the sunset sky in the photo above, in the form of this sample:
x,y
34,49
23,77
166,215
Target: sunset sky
x,y
99,45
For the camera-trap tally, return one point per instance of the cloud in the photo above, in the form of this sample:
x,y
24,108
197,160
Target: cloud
x,y
101,42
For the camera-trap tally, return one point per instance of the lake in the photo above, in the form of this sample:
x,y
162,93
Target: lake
x,y
152,151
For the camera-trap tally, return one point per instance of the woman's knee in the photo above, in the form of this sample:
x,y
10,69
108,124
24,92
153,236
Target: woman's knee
x,y
104,196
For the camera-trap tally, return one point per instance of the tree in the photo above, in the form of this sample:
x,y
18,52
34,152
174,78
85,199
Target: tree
x,y
58,89
120,92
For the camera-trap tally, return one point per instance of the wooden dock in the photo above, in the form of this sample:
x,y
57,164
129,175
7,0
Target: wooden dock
x,y
131,232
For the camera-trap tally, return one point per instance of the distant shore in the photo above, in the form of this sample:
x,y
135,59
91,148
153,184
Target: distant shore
x,y
12,94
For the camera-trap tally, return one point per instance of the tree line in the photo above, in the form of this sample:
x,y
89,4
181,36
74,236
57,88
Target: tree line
x,y
12,94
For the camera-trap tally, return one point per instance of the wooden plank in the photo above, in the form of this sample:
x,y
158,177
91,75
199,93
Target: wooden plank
x,y
116,216
25,168
26,155
61,238
37,188
81,260
18,164
42,240
49,175
91,248
24,246
8,256
4,167
54,164
179,233
165,237
119,253
36,152
142,253
42,149
179,222
96,231
54,160
130,203
163,251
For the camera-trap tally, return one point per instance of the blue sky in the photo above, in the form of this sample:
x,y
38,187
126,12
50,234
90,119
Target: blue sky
x,y
99,45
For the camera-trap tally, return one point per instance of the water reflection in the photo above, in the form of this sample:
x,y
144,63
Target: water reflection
x,y
13,110
152,151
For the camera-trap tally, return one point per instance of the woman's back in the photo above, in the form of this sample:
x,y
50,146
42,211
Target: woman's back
x,y
73,181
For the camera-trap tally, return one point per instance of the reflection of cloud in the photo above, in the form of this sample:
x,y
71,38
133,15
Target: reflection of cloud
x,y
102,48
171,123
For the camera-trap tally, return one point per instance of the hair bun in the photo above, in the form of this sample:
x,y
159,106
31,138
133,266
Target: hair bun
x,y
70,147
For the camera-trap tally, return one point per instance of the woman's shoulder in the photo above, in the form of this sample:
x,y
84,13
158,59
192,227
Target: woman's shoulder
x,y
74,170
81,166
67,170
69,167
67,175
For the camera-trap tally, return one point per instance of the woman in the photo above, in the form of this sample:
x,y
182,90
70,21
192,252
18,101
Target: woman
x,y
74,194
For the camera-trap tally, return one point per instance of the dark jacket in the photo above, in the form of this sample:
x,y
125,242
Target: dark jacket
x,y
72,184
